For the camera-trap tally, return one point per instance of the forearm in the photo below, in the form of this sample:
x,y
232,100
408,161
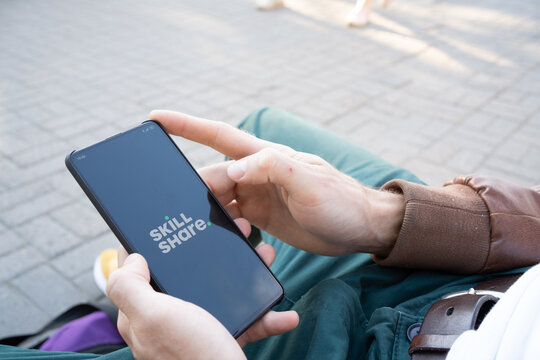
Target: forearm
x,y
385,216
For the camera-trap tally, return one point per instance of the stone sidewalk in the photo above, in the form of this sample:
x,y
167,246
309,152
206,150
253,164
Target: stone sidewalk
x,y
439,87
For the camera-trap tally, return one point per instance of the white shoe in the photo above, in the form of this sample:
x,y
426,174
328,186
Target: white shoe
x,y
359,16
104,265
268,4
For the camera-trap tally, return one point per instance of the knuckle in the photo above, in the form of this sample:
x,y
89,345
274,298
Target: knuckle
x,y
285,149
220,128
320,161
309,158
267,158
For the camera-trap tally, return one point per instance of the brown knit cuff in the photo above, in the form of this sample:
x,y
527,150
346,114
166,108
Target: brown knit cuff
x,y
443,229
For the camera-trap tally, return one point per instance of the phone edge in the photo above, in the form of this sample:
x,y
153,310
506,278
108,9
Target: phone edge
x,y
103,213
108,220
239,332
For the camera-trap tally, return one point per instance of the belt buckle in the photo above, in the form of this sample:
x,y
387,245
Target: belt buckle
x,y
473,291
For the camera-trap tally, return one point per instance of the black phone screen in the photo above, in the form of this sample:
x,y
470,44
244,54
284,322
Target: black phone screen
x,y
159,207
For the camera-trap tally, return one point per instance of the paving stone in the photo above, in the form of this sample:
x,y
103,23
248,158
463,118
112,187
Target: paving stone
x,y
62,108
64,183
501,173
38,154
502,128
511,96
348,122
25,139
530,103
10,241
514,148
19,315
512,111
535,119
465,161
87,138
14,176
53,292
48,236
530,130
394,142
478,121
434,129
22,194
432,174
394,157
407,134
475,99
481,142
10,145
18,261
368,131
83,220
81,259
33,208
531,158
10,123
85,283
527,174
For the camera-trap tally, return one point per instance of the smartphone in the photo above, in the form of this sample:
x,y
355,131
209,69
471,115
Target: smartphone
x,y
158,206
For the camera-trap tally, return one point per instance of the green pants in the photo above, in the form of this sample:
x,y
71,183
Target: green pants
x,y
349,307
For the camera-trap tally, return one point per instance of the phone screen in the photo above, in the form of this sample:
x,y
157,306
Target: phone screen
x,y
159,207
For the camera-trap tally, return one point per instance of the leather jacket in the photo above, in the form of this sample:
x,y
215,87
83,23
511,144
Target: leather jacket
x,y
473,224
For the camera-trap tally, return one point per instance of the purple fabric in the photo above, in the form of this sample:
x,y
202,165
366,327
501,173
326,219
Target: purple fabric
x,y
90,330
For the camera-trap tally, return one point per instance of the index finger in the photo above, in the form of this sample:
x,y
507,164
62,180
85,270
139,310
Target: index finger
x,y
221,136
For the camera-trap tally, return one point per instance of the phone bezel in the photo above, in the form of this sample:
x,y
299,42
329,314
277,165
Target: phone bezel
x,y
123,240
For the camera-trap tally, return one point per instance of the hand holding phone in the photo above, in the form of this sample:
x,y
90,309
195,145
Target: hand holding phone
x,y
158,206
297,197
175,327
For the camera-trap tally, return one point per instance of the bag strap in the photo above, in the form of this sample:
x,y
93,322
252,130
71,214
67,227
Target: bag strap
x,y
454,314
35,339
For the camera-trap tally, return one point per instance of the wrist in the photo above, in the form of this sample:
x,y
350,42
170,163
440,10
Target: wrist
x,y
386,212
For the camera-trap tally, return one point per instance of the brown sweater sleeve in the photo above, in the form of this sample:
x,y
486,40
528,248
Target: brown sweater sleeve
x,y
471,225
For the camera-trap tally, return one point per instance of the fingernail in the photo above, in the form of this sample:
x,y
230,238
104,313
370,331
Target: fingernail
x,y
237,169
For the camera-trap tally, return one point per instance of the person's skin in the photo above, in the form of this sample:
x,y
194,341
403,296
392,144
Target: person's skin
x,y
157,325
359,15
296,197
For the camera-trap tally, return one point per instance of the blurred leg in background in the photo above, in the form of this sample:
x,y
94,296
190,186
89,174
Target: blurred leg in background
x,y
357,17
268,4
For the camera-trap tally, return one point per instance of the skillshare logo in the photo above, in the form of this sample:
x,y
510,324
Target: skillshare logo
x,y
175,231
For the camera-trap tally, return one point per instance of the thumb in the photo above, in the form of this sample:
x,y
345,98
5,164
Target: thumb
x,y
268,166
129,288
